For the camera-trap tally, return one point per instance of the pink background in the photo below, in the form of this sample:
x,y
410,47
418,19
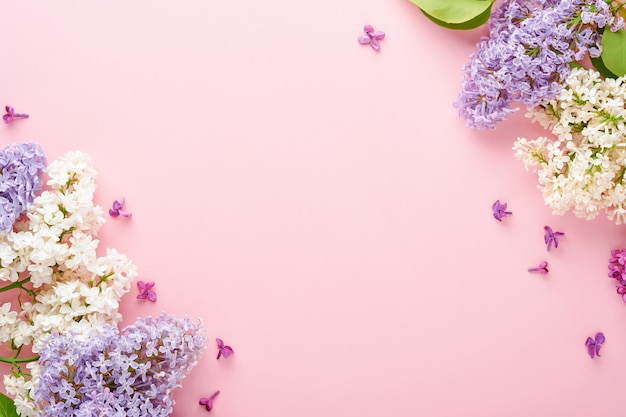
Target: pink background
x,y
321,207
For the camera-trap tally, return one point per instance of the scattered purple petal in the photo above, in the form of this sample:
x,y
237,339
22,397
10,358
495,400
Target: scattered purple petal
x,y
223,350
499,210
551,237
10,115
371,37
208,402
146,291
542,268
593,345
117,211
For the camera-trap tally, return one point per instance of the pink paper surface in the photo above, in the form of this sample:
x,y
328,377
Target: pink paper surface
x,y
321,207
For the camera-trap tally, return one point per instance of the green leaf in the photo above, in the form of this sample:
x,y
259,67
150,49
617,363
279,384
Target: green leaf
x,y
470,24
598,64
453,12
7,407
614,51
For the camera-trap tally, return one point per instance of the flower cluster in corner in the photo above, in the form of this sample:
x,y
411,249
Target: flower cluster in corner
x,y
528,53
66,353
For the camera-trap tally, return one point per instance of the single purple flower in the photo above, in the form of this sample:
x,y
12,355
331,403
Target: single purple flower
x,y
593,345
116,210
208,402
224,350
542,268
371,37
551,237
146,291
499,210
617,265
10,115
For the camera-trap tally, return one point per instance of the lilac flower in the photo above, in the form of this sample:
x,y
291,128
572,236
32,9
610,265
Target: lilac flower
x,y
208,402
21,169
499,210
617,270
146,291
223,350
542,268
10,115
131,372
617,265
371,37
551,237
116,210
527,55
593,345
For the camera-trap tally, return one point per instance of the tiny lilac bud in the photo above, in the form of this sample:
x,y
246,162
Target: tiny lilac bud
x,y
146,291
223,350
551,237
499,210
208,402
593,345
117,211
10,115
371,37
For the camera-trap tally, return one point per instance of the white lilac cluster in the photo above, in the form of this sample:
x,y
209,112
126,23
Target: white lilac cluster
x,y
50,259
581,168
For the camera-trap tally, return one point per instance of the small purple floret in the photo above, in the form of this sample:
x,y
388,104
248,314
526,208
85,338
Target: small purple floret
x,y
117,211
10,115
146,291
371,37
223,350
499,210
593,345
551,237
208,402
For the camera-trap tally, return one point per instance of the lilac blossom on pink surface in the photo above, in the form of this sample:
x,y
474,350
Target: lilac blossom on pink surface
x,y
146,291
207,402
617,270
593,345
118,373
542,268
528,53
551,237
10,115
499,210
223,350
117,211
21,169
371,37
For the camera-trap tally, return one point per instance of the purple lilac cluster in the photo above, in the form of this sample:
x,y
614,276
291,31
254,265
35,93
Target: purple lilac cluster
x,y
21,169
527,55
131,372
617,270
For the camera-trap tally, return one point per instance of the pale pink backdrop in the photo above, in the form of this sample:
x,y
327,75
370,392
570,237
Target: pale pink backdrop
x,y
321,207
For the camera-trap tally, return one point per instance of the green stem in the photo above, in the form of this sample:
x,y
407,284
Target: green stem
x,y
18,360
16,284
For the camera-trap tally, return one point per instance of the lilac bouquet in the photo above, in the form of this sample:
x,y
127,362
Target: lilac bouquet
x,y
526,57
66,304
564,61
131,372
